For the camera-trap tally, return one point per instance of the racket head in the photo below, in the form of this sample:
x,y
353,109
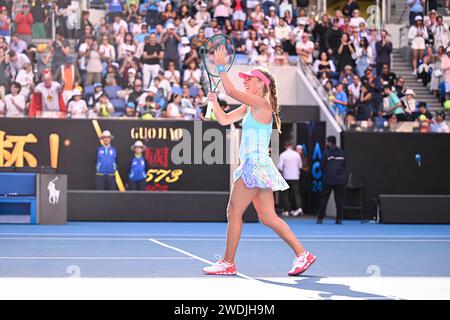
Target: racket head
x,y
208,49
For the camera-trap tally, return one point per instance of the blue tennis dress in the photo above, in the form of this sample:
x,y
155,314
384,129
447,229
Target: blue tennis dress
x,y
256,168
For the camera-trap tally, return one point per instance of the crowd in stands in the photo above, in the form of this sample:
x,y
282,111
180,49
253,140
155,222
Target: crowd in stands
x,y
142,59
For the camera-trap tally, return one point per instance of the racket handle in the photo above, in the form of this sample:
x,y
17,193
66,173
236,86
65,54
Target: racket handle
x,y
209,110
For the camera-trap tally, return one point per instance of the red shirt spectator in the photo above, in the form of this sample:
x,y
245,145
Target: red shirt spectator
x,y
24,21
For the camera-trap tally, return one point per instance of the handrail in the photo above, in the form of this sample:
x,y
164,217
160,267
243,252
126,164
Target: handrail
x,y
311,81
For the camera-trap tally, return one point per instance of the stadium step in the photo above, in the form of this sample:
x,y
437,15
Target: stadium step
x,y
403,69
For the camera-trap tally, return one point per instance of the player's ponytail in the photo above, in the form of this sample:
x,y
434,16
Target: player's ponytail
x,y
273,97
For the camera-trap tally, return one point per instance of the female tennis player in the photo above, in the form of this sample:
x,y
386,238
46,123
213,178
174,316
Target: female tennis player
x,y
257,177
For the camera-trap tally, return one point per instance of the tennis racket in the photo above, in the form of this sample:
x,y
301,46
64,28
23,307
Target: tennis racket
x,y
207,53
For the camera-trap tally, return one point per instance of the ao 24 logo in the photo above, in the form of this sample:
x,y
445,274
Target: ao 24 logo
x,y
316,169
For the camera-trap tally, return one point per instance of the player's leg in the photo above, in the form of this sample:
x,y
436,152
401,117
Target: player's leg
x,y
265,206
240,198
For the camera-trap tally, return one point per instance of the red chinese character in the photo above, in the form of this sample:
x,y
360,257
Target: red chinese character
x,y
158,157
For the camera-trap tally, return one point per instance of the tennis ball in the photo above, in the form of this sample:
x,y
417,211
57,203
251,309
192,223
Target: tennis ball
x,y
213,116
423,117
147,116
447,105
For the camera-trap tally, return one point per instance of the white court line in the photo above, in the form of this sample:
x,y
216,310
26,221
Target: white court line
x,y
216,235
194,256
95,258
302,239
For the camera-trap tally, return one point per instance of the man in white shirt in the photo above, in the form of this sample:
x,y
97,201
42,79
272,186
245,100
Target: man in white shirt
x,y
305,48
119,23
49,91
290,164
283,30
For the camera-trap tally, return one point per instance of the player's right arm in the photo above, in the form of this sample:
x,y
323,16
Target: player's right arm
x,y
226,118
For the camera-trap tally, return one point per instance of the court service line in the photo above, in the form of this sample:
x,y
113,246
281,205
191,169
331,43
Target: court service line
x,y
194,256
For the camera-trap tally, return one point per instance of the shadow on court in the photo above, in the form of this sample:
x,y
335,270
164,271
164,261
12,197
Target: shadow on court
x,y
327,290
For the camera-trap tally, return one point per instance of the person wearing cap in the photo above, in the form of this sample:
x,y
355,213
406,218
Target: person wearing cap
x,y
106,165
257,177
438,124
185,48
103,107
272,17
203,13
24,22
130,110
445,67
410,103
417,34
149,92
170,40
422,112
92,97
137,174
77,106
69,76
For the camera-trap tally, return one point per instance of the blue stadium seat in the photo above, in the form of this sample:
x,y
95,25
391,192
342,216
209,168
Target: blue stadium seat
x,y
177,90
119,107
193,91
241,58
88,90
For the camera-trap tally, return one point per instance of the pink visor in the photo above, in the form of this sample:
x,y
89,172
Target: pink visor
x,y
255,73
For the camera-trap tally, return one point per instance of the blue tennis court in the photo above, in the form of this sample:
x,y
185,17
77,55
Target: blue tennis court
x,y
355,261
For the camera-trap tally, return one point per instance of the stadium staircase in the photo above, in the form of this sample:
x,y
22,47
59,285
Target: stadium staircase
x,y
403,69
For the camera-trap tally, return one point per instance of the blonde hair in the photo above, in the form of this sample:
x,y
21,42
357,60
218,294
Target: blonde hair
x,y
273,97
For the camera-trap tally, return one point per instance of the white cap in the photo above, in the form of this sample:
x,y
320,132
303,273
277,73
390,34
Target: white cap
x,y
185,40
152,89
107,134
76,92
448,49
266,42
410,91
137,144
203,5
170,26
272,8
132,70
419,17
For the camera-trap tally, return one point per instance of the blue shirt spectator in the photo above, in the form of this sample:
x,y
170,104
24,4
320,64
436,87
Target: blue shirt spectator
x,y
341,100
